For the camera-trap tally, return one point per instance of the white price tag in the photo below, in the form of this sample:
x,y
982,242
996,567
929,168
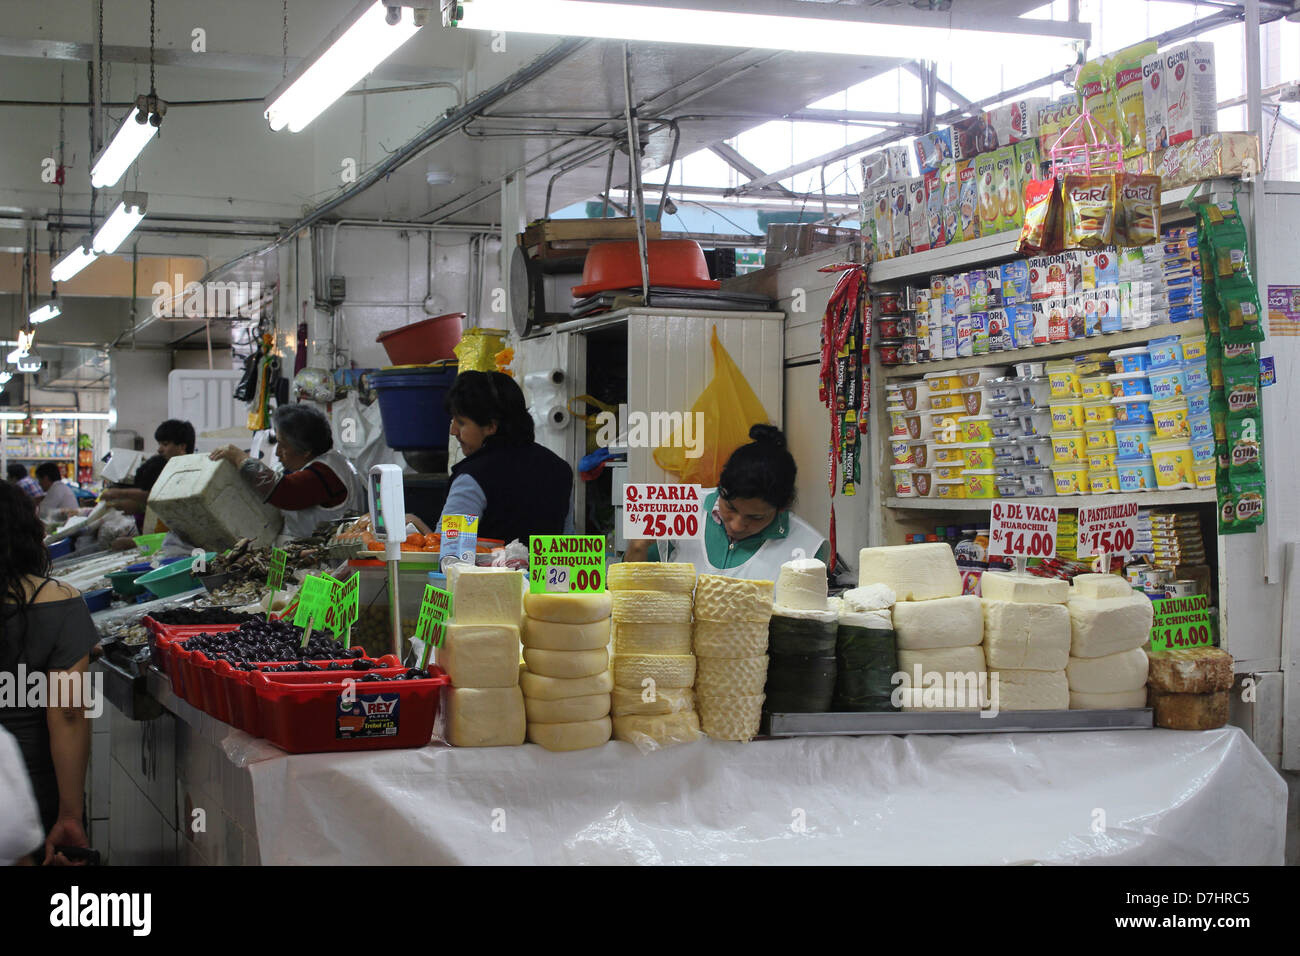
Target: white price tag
x,y
1022,530
557,579
663,511
1107,529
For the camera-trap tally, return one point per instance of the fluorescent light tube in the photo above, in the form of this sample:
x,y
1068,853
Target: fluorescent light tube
x,y
73,262
72,416
13,416
363,41
50,310
129,141
5,376
915,36
119,224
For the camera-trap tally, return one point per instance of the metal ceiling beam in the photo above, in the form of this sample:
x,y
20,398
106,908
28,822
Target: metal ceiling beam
x,y
921,73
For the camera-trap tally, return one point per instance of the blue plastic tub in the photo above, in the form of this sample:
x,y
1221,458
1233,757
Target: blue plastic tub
x,y
60,549
410,403
98,600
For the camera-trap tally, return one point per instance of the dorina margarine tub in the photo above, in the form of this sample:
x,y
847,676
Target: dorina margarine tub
x,y
1132,360
1103,482
1136,475
1071,479
1134,441
981,483
1173,464
1099,437
1132,409
1171,419
1198,401
1194,347
951,488
1098,412
1068,448
1205,473
1167,383
1095,386
1063,380
1101,461
1067,416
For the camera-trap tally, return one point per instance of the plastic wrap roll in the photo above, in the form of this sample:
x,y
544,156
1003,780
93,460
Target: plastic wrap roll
x,y
801,635
547,380
555,418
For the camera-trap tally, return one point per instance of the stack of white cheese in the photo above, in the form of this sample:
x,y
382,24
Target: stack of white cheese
x,y
565,677
1109,623
801,641
730,641
939,630
1026,640
480,653
653,704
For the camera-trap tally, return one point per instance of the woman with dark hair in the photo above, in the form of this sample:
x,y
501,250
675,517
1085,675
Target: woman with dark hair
x,y
515,486
44,629
749,530
317,485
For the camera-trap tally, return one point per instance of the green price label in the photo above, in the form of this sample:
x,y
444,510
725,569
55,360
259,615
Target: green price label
x,y
1181,622
317,605
566,563
349,609
275,579
435,609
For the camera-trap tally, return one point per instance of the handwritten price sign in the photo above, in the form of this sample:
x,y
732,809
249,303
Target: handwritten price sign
x,y
663,511
1180,623
1022,530
1107,529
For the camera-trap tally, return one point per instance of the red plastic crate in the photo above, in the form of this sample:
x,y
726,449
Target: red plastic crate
x,y
303,716
164,637
241,698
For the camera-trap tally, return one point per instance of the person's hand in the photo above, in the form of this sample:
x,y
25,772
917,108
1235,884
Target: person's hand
x,y
68,831
236,456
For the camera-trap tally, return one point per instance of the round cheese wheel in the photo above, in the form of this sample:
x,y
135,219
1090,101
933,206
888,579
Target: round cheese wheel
x,y
652,576
737,677
659,730
676,670
550,636
663,700
566,664
567,709
729,638
567,608
558,688
573,735
801,635
731,718
650,607
720,598
652,638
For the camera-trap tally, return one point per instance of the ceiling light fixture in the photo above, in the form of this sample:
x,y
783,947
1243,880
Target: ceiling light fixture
x,y
128,142
50,310
119,224
73,262
72,416
13,416
773,25
366,37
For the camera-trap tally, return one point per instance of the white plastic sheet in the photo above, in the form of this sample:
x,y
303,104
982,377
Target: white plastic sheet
x,y
1127,797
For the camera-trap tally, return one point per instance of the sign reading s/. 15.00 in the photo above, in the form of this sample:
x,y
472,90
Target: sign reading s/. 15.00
x,y
1181,622
566,563
663,511
1107,529
1019,529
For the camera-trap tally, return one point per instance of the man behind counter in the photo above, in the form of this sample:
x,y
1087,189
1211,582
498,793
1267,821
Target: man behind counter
x,y
174,437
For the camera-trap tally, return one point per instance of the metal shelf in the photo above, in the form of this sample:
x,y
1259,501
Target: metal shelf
x,y
1149,499
919,722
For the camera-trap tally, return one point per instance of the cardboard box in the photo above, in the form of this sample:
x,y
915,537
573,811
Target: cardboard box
x,y
1010,195
1054,119
917,214
933,150
1191,104
1029,163
1015,122
951,206
900,224
934,188
884,222
1154,103
968,200
971,137
990,210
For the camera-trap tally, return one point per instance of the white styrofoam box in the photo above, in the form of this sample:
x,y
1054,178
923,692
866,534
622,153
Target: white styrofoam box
x,y
208,504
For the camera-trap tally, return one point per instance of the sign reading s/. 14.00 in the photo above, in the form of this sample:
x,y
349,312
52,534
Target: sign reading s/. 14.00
x,y
566,563
1019,529
1181,622
663,511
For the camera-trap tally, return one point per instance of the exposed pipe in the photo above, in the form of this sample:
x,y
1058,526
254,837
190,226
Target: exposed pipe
x,y
634,166
609,178
668,176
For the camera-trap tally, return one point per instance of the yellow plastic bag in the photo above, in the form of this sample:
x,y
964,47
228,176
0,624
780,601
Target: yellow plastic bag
x,y
477,349
729,408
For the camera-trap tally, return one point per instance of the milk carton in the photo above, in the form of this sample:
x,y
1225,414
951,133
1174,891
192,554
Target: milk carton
x,y
1191,105
1153,101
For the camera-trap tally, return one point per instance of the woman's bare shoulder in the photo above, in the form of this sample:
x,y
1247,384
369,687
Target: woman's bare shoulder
x,y
54,591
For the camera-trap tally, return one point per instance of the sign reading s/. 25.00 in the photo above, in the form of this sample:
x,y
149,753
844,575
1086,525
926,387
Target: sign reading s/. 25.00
x,y
1107,529
566,563
663,511
1181,622
1020,529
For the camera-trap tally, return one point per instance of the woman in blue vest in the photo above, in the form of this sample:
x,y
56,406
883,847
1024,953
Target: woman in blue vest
x,y
516,487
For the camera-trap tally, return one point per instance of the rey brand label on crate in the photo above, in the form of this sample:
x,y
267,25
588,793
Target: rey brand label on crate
x,y
663,511
1022,530
1107,529
566,563
1180,622
367,715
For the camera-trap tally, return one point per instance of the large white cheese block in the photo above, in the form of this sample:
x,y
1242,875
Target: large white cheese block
x,y
484,716
651,700
567,608
676,670
720,598
1116,701
652,576
650,732
737,677
1023,588
1101,627
872,597
1112,674
652,639
566,664
875,620
650,607
915,572
1029,690
1101,586
485,595
576,735
802,584
549,636
480,655
729,638
731,718
558,688
566,709
941,661
1033,637
942,622
939,700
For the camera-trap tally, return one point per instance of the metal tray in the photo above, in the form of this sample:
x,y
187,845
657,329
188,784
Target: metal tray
x,y
1006,722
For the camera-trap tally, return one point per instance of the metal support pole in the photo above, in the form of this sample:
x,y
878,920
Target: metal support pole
x,y
395,607
609,178
668,176
634,155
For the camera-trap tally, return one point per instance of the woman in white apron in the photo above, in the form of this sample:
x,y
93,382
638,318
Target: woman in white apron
x,y
317,485
749,530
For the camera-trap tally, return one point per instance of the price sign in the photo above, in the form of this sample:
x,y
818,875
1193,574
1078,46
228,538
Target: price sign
x,y
346,605
317,606
1107,529
431,628
1022,530
1181,622
275,579
566,563
663,511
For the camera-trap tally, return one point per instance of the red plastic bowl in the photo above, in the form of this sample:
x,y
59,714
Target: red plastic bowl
x,y
429,340
674,264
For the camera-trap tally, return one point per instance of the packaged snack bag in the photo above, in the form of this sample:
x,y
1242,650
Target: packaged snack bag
x,y
1095,92
968,200
1089,203
1006,179
1042,202
1054,118
933,150
1125,69
1240,319
1245,445
1138,218
990,216
1241,384
1248,494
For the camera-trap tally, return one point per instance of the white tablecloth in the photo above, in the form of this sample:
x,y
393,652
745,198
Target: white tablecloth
x,y
1129,797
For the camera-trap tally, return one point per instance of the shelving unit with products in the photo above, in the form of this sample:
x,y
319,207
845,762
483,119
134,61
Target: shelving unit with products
x,y
34,441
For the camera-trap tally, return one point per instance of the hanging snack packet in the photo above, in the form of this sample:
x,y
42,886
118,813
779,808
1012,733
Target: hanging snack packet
x,y
1227,506
1042,201
1245,445
1138,219
1230,249
1241,385
1098,97
1239,320
1089,203
1248,494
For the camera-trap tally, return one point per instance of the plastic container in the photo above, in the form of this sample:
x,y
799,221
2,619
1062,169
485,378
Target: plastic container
x,y
206,502
970,377
1205,473
1099,438
150,543
1036,391
915,395
1070,479
981,483
948,472
1195,348
1171,419
1096,386
236,685
923,482
411,405
124,581
1008,408
898,423
1132,360
942,381
1203,449
950,489
674,263
1134,441
1200,428
1037,482
1136,475
1103,482
947,454
1067,416
976,428
903,481
918,426
1130,383
1037,451
1197,374
979,455
1004,428
1173,462
1003,389
1132,410
1037,422
1009,486
1063,380
429,340
1198,401
1069,448
1168,383
172,579
943,401
1006,451
1030,369
1102,461
922,453
60,549
1165,352
1098,412
901,450
97,600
